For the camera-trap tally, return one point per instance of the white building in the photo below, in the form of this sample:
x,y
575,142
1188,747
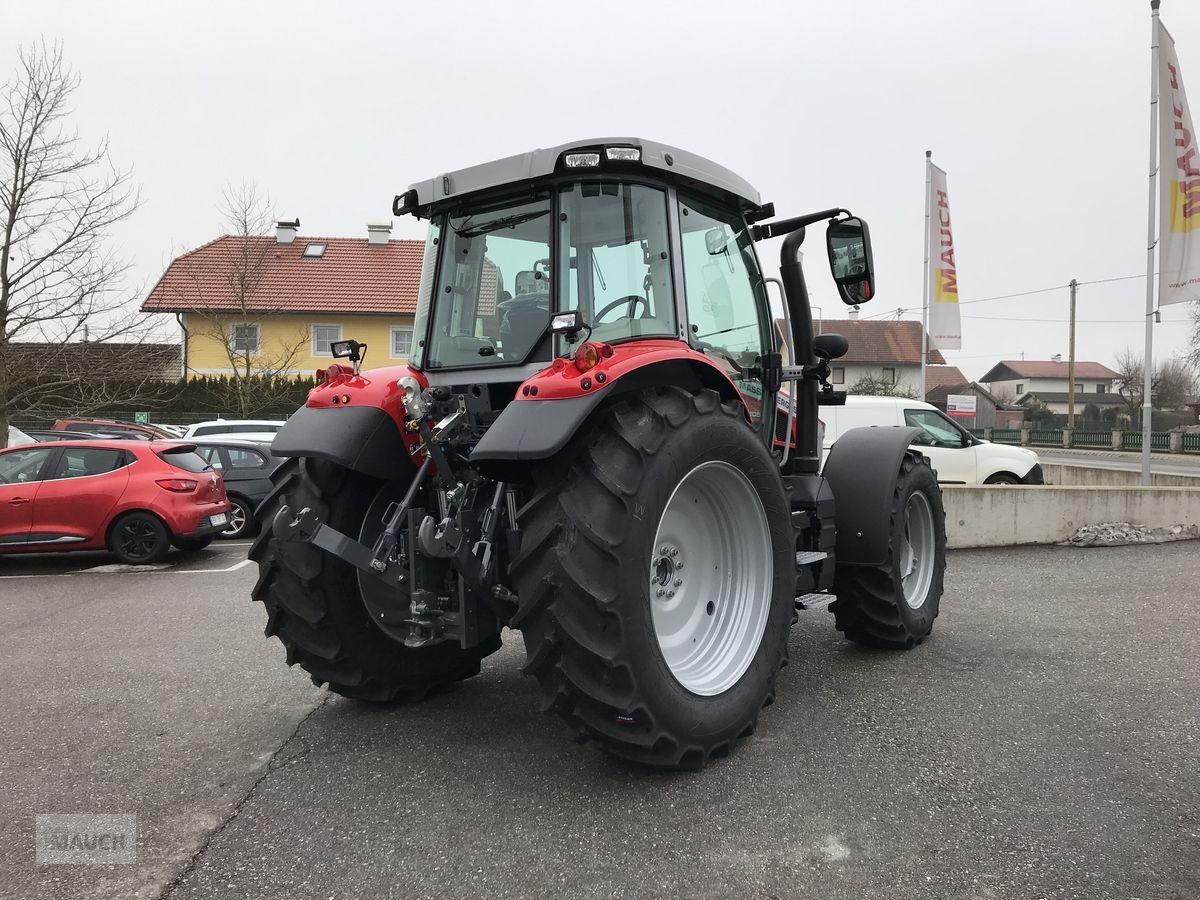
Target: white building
x,y
1012,379
885,350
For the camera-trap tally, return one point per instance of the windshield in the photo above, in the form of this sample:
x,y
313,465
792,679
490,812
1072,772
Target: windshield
x,y
939,430
492,289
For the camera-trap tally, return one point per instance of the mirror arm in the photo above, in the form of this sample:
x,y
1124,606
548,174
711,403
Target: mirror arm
x,y
786,226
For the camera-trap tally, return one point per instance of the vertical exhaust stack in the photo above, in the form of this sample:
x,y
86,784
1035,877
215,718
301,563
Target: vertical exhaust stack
x,y
286,230
379,233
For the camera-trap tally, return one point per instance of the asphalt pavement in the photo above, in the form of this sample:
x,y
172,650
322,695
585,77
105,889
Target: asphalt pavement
x,y
1044,743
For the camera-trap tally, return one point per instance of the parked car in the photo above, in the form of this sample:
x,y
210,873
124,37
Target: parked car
x,y
177,430
16,437
246,467
135,498
42,436
256,427
956,455
114,428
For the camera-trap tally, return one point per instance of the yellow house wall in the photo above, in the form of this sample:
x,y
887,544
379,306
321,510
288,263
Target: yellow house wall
x,y
278,334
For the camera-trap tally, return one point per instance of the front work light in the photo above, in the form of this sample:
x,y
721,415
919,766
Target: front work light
x,y
581,160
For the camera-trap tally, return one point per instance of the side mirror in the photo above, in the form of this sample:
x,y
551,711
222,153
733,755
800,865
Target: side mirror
x,y
830,346
850,259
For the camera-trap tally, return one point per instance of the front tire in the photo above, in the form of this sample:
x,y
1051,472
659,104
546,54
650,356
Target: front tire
x,y
656,580
314,602
893,606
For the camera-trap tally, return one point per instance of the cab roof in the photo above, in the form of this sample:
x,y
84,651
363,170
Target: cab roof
x,y
682,167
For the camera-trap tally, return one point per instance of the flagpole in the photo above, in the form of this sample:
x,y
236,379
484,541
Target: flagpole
x,y
1148,357
925,292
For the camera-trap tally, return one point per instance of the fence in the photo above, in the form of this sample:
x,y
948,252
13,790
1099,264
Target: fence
x,y
1170,441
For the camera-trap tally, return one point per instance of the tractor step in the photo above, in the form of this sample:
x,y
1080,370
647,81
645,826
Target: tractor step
x,y
814,601
808,557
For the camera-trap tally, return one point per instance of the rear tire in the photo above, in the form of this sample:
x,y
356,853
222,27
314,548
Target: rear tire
x,y
610,653
313,600
139,539
893,606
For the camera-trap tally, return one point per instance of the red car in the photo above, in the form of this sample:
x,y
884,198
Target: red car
x,y
134,498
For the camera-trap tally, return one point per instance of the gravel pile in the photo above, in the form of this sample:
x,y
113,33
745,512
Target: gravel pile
x,y
1120,534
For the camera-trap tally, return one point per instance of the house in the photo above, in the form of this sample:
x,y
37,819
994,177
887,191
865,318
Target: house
x,y
985,403
1058,402
938,377
1013,379
882,349
279,301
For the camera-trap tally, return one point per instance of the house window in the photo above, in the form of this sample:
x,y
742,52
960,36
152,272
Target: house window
x,y
838,376
1100,389
322,336
1020,388
401,342
314,251
889,375
244,337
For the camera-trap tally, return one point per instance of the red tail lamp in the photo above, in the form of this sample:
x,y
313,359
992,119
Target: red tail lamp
x,y
177,485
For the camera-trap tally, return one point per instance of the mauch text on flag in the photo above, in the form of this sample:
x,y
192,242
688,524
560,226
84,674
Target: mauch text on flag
x,y
1179,193
945,329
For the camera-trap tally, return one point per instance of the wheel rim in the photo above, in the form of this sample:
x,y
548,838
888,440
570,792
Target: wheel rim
x,y
711,578
237,519
918,550
137,538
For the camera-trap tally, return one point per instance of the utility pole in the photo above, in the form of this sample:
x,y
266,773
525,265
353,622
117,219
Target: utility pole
x,y
1071,361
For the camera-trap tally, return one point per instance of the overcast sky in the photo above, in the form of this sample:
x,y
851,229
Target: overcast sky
x,y
1037,110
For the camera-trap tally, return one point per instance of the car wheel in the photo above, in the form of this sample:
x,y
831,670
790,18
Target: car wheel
x,y
139,538
1002,478
241,518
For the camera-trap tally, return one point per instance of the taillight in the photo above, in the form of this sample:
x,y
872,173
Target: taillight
x,y
590,353
177,485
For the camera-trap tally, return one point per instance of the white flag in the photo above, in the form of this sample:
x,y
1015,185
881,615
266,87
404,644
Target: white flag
x,y
1179,184
945,329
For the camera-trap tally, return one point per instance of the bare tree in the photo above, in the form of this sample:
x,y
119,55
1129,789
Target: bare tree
x,y
59,282
1193,354
227,313
1171,386
870,386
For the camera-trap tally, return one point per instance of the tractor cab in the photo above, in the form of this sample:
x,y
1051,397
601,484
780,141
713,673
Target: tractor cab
x,y
642,241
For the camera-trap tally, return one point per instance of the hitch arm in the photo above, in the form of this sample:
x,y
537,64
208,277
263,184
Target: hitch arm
x,y
306,527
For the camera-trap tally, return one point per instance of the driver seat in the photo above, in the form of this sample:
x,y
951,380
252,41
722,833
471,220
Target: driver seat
x,y
526,315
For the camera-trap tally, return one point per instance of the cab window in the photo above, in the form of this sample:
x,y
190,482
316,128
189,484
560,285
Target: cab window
x,y
77,462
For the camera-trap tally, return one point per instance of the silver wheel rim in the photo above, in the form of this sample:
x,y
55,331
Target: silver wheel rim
x,y
237,520
711,578
917,552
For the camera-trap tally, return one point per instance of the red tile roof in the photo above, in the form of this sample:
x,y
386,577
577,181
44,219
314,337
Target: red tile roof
x,y
882,341
1048,368
943,376
351,277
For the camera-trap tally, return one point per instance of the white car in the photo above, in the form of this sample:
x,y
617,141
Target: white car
x,y
251,429
957,456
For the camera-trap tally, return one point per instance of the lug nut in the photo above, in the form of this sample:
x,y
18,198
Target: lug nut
x,y
670,594
674,552
679,565
664,549
678,582
659,592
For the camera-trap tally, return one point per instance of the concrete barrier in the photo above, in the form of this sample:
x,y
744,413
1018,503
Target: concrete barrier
x,y
1083,474
1004,516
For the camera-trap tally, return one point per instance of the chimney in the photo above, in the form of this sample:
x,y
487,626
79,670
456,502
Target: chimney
x,y
853,313
379,233
285,231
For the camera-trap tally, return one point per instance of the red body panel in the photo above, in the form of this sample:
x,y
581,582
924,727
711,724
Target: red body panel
x,y
87,505
375,388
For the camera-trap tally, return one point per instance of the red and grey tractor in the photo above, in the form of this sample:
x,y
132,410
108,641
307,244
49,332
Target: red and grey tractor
x,y
583,447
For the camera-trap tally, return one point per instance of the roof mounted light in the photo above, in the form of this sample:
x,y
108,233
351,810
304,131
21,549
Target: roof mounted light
x,y
623,154
581,160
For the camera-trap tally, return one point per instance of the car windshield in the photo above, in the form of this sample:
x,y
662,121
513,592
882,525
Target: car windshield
x,y
492,288
938,427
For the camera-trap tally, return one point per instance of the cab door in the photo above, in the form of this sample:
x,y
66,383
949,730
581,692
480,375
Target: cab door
x,y
20,479
728,317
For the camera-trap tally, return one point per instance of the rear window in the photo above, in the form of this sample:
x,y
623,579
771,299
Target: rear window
x,y
184,458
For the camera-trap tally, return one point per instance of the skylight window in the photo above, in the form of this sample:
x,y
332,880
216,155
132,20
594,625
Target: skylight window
x,y
314,251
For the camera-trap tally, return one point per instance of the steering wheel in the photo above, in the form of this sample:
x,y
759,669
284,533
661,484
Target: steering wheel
x,y
632,299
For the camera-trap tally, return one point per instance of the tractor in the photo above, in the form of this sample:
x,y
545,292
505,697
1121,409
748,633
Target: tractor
x,y
602,440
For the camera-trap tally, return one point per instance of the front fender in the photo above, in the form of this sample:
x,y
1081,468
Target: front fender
x,y
362,438
863,468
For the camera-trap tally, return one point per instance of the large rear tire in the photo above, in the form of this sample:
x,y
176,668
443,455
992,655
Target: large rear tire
x,y
656,579
893,606
314,602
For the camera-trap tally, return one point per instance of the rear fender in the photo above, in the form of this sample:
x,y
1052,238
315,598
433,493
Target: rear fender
x,y
863,468
553,406
356,421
